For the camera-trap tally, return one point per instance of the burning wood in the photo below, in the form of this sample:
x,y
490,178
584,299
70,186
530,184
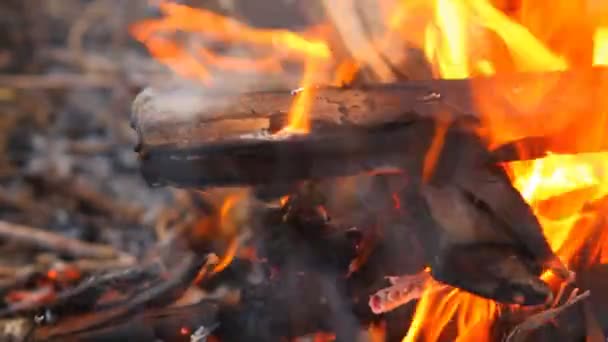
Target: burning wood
x,y
193,137
341,185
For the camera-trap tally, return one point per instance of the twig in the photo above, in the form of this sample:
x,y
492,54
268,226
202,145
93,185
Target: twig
x,y
57,243
180,278
88,291
97,265
201,334
86,192
404,289
57,81
92,12
538,320
23,275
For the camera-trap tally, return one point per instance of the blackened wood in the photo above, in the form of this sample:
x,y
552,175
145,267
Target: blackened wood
x,y
265,161
166,324
474,202
189,136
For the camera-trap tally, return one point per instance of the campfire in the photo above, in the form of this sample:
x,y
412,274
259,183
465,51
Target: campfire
x,y
352,170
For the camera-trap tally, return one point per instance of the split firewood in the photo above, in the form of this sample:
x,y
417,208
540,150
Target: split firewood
x,y
477,232
472,203
191,136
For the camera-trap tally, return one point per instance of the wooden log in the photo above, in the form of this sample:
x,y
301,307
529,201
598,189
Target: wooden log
x,y
190,136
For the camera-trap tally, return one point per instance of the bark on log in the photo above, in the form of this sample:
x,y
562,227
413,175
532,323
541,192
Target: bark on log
x,y
190,136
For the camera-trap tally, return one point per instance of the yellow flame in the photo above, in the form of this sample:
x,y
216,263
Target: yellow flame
x,y
453,47
600,46
485,67
528,52
553,175
299,122
558,187
441,306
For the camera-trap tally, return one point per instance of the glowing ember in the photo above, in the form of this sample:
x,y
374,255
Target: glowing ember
x,y
377,332
323,337
396,201
283,200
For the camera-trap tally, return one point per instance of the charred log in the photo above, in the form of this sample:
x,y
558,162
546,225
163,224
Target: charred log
x,y
189,137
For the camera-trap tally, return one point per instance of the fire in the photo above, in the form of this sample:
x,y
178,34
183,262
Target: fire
x,y
377,332
443,305
213,26
193,60
559,188
298,115
600,46
460,39
450,39
226,225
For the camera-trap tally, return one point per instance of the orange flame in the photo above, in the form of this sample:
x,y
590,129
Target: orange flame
x,y
298,115
223,226
229,229
198,62
216,27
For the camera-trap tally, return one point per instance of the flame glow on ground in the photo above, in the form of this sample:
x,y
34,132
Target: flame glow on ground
x,y
460,39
